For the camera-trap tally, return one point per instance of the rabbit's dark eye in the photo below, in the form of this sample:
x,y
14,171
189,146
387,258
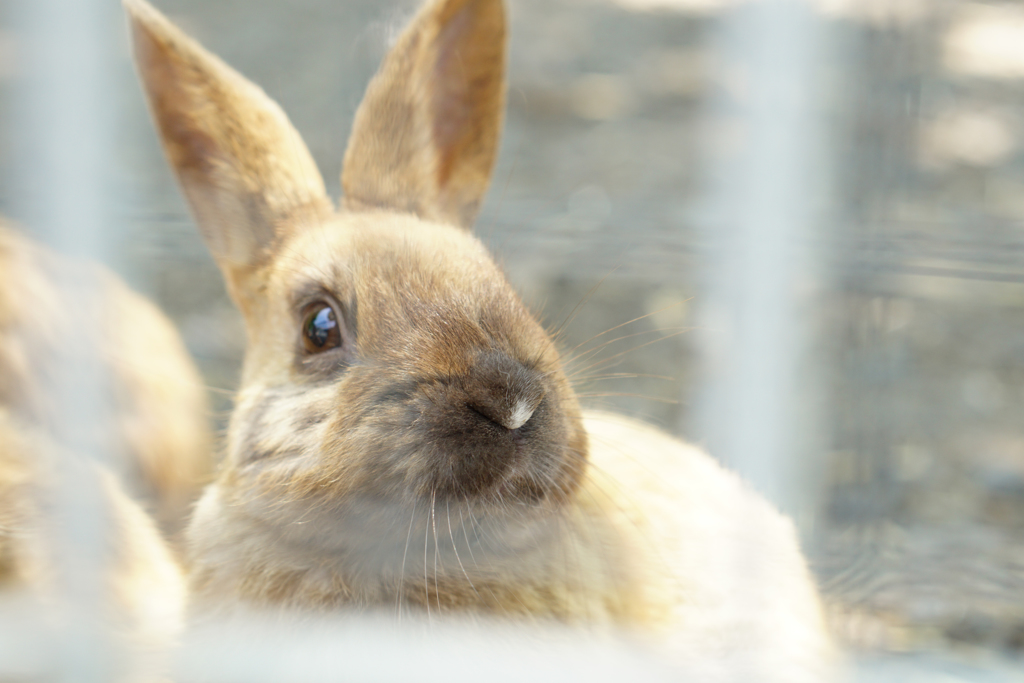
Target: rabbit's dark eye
x,y
320,328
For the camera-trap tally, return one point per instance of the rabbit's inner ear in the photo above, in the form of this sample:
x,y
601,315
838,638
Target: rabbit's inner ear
x,y
425,138
245,171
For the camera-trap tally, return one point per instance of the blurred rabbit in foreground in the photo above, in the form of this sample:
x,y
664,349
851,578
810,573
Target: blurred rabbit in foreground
x,y
159,420
405,439
155,430
142,589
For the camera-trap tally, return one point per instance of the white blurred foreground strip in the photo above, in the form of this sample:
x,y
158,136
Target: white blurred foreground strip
x,y
255,650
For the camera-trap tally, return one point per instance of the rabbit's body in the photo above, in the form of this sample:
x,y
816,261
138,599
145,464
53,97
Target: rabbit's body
x,y
158,421
405,438
143,587
54,312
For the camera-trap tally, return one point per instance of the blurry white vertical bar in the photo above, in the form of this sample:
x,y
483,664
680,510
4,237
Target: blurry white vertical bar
x,y
65,129
753,329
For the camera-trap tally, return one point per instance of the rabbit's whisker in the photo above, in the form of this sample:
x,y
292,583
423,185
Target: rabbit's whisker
x,y
437,550
557,332
426,580
629,322
405,553
621,375
617,356
455,546
589,353
626,394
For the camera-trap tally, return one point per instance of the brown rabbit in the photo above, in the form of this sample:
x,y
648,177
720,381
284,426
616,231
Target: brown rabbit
x,y
157,426
142,590
159,422
404,437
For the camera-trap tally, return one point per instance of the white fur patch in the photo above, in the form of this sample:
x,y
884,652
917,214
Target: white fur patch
x,y
522,413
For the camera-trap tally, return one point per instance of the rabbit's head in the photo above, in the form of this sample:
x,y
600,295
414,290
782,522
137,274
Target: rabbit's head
x,y
389,362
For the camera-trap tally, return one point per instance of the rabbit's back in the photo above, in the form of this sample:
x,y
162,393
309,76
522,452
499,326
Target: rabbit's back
x,y
143,587
158,422
725,581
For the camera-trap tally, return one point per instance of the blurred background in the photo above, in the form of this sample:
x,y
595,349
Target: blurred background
x,y
794,235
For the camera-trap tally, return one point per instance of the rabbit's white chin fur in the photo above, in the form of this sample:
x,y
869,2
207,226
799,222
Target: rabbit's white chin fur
x,y
365,554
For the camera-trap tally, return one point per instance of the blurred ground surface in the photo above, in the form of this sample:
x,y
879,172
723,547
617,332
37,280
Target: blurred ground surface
x,y
919,315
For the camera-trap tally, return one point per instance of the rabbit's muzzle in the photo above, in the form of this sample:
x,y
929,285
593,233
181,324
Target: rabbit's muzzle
x,y
496,430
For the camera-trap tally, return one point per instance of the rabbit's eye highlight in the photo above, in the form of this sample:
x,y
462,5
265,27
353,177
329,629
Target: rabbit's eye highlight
x,y
320,329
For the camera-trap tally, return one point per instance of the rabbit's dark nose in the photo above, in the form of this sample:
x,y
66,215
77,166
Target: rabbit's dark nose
x,y
504,391
496,427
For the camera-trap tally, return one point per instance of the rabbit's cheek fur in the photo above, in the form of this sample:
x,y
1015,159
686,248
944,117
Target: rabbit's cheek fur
x,y
279,429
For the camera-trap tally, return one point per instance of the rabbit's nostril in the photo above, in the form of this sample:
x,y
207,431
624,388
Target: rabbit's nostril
x,y
504,391
511,415
520,415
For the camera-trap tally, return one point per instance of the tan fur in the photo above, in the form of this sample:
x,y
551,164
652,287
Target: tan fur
x,y
238,158
159,422
395,470
428,146
145,588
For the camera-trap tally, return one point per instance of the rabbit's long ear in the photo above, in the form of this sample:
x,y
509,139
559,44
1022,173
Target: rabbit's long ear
x,y
247,174
426,135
